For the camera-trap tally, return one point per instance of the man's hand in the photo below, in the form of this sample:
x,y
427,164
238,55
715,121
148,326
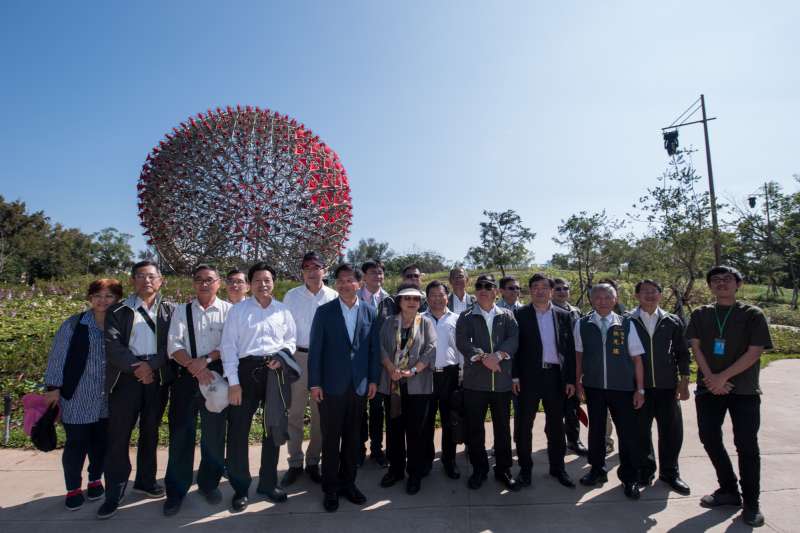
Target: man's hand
x,y
569,390
143,372
275,364
204,377
52,396
235,395
372,390
682,392
492,362
717,384
580,392
196,366
638,400
515,388
316,393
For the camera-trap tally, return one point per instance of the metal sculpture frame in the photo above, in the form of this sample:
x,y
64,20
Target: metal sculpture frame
x,y
238,185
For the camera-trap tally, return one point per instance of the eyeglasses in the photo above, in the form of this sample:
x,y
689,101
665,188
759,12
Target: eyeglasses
x,y
723,279
412,298
484,286
512,289
236,282
148,277
412,276
561,289
206,281
312,268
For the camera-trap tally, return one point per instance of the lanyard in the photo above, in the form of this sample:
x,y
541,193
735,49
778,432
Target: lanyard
x,y
721,325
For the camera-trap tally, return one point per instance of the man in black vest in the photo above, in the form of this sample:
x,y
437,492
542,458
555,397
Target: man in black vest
x,y
136,371
543,369
666,353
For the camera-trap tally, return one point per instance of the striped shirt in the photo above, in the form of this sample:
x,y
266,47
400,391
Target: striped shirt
x,y
89,402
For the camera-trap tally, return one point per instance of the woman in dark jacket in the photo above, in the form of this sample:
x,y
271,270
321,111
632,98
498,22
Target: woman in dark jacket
x,y
408,351
75,379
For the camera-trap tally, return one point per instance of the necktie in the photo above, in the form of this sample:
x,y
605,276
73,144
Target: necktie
x,y
604,327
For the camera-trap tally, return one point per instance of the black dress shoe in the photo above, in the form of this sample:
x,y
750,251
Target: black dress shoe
x,y
677,484
156,491
108,509
390,479
577,448
506,479
564,479
291,475
379,458
594,477
114,495
476,480
752,516
524,478
330,502
172,505
213,497
312,471
451,470
720,497
239,503
632,490
646,481
413,485
275,494
353,495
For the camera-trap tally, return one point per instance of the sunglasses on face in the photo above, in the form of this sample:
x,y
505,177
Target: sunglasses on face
x,y
484,286
561,289
512,289
416,299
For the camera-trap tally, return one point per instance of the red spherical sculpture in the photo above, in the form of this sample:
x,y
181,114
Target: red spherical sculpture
x,y
234,186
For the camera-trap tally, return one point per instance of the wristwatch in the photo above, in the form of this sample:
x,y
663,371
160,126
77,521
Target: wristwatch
x,y
641,391
209,360
413,371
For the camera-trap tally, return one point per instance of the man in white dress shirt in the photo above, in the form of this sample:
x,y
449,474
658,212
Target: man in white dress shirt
x,y
256,331
196,353
303,301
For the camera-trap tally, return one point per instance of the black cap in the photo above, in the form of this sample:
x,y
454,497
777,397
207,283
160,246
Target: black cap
x,y
312,256
486,278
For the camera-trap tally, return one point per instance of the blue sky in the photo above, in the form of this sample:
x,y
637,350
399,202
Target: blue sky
x,y
439,110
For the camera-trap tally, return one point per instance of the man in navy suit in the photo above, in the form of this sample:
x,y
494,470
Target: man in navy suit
x,y
342,373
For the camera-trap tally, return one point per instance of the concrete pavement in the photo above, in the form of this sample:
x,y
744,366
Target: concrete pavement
x,y
32,492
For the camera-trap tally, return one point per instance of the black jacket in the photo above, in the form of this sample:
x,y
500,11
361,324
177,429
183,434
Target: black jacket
x,y
527,363
666,353
472,338
119,323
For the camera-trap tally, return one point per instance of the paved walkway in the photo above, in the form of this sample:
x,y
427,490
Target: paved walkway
x,y
31,493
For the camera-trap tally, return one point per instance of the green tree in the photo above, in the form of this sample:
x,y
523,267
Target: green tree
x,y
428,261
111,251
369,249
503,242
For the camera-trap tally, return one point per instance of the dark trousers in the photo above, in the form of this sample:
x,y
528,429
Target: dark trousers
x,y
253,380
620,403
662,405
444,384
548,388
476,403
745,412
83,440
406,434
129,402
572,426
340,418
372,424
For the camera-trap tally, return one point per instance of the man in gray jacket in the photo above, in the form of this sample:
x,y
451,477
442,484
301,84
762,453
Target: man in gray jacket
x,y
487,336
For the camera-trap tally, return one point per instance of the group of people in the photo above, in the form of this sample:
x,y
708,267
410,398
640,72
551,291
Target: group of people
x,y
363,360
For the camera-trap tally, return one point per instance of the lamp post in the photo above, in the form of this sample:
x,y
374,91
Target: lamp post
x,y
670,134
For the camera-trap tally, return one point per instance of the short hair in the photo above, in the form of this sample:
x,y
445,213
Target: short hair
x,y
233,272
261,265
435,284
560,281
142,264
204,266
540,276
412,266
454,270
312,256
348,267
723,269
110,284
609,281
486,278
643,282
606,287
505,280
372,263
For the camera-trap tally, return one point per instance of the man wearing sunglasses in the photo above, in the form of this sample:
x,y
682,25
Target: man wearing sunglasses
x,y
728,338
487,336
509,290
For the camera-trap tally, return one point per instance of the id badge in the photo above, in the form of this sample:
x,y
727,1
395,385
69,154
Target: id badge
x,y
719,347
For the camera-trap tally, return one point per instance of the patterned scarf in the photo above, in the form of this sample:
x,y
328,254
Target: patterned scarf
x,y
401,362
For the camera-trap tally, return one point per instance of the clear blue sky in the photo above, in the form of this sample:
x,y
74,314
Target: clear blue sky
x,y
438,109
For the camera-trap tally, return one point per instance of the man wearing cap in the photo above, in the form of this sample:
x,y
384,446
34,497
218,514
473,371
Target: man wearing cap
x,y
447,367
543,371
303,302
258,338
459,301
610,377
137,384
343,372
666,355
195,332
572,426
728,338
487,336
